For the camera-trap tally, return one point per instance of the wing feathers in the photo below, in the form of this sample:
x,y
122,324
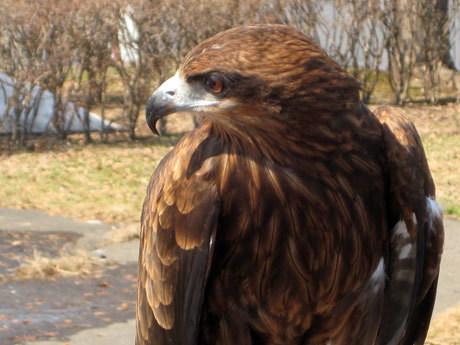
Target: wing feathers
x,y
178,221
152,297
164,316
165,247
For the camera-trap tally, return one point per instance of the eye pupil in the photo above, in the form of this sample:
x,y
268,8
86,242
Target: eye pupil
x,y
215,84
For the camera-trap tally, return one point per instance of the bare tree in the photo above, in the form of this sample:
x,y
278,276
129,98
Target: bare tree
x,y
365,41
133,24
400,26
431,47
441,8
434,44
91,30
34,55
58,51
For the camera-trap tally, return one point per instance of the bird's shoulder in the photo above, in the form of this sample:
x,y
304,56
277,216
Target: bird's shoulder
x,y
406,163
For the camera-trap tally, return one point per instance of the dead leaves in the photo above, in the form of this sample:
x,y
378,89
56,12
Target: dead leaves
x,y
103,284
123,306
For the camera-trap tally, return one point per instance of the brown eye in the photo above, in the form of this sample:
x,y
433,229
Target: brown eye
x,y
214,83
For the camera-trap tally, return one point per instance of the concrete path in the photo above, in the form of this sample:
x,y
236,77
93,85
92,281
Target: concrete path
x,y
93,238
123,333
449,278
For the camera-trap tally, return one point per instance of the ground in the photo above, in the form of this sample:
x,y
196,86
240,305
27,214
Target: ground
x,y
55,308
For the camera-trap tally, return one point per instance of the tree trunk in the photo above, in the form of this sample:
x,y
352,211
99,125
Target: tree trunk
x,y
442,9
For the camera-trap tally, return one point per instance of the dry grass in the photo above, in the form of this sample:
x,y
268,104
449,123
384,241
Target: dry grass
x,y
126,232
67,264
445,328
99,181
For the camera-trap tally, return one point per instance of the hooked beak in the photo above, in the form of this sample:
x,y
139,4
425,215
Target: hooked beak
x,y
175,95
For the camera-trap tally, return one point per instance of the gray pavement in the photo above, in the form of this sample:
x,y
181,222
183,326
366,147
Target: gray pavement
x,y
92,232
449,277
93,236
122,333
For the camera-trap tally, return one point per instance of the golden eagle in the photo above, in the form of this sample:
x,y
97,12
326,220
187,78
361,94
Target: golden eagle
x,y
293,214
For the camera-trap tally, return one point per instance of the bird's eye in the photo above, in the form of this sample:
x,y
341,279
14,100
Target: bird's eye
x,y
214,83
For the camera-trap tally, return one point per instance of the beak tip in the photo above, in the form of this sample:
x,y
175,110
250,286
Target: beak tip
x,y
152,123
155,130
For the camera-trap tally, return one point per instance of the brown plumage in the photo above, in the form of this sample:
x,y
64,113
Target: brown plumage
x,y
293,214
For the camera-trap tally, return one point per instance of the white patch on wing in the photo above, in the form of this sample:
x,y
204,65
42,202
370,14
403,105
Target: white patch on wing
x,y
400,230
434,211
379,272
404,253
401,239
378,277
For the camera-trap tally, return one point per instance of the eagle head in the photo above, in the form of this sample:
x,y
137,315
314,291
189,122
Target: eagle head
x,y
253,74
